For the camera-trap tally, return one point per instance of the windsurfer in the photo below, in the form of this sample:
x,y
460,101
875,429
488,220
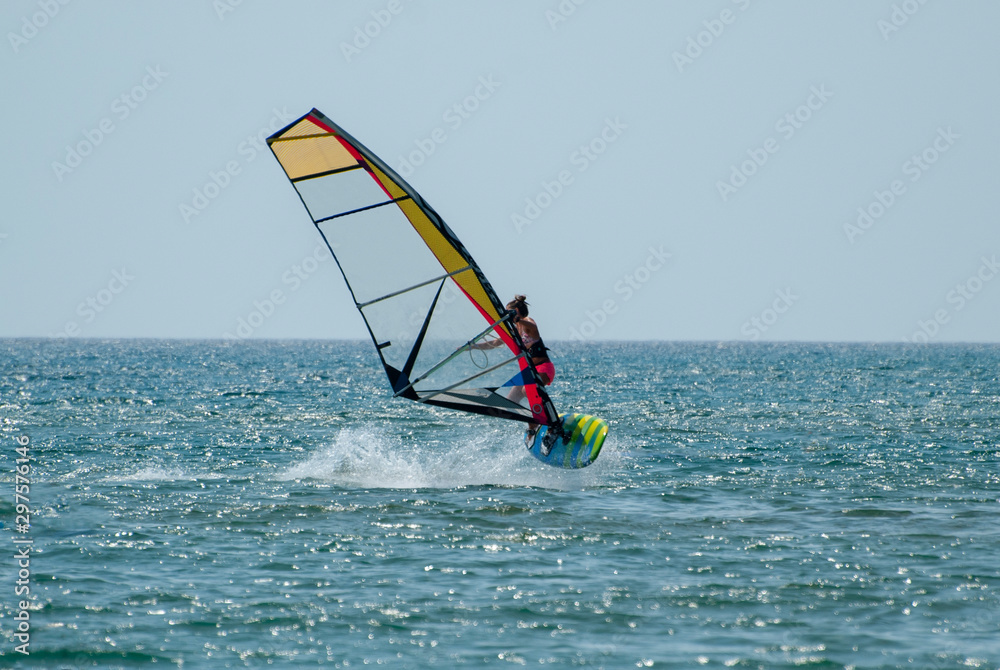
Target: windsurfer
x,y
532,339
534,347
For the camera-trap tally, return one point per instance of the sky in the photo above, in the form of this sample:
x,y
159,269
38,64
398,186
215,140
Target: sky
x,y
711,170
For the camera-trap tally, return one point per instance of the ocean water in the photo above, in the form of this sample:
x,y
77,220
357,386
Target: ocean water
x,y
230,505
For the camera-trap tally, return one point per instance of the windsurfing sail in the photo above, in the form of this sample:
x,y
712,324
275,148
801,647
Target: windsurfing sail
x,y
440,331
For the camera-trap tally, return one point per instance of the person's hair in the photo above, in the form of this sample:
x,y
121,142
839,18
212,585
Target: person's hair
x,y
519,305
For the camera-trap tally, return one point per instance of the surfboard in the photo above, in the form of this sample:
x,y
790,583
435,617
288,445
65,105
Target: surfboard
x,y
578,446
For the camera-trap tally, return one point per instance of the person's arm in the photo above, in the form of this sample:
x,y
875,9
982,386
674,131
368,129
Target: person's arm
x,y
488,344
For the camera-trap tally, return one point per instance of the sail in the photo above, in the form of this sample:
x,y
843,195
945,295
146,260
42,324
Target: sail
x,y
440,331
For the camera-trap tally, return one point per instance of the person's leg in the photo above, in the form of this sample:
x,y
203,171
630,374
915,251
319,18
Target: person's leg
x,y
546,373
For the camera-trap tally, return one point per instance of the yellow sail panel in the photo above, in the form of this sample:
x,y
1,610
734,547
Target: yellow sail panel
x,y
449,257
312,155
303,127
474,289
391,187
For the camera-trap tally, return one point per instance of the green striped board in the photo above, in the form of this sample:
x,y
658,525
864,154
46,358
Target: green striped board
x,y
583,437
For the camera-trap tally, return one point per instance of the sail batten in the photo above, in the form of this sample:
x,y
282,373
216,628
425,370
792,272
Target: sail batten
x,y
361,209
415,286
422,297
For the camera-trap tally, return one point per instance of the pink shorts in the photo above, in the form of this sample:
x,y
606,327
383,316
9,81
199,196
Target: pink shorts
x,y
547,369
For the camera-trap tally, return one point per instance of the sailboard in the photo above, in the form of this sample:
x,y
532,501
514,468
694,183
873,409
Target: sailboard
x,y
432,315
576,446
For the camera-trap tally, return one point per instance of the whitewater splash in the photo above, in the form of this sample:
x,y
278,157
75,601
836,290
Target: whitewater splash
x,y
162,473
155,473
368,458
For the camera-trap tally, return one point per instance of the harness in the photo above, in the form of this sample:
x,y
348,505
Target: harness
x,y
537,350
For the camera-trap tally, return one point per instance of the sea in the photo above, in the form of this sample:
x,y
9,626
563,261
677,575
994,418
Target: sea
x,y
249,504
